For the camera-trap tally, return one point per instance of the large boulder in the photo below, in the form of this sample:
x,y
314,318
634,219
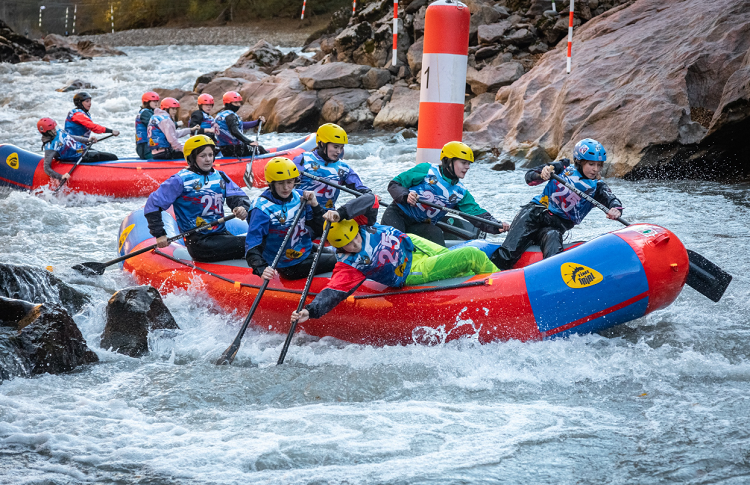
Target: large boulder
x,y
85,48
188,101
414,55
283,100
16,48
491,78
38,285
350,39
261,55
654,82
401,111
333,75
337,103
133,313
376,78
492,33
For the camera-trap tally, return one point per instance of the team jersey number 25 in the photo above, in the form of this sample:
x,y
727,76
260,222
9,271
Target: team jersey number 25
x,y
212,205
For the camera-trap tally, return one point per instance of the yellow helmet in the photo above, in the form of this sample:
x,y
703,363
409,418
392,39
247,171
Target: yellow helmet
x,y
195,142
456,149
280,168
342,233
331,133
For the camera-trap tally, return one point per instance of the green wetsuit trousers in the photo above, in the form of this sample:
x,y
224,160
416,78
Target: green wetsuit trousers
x,y
433,262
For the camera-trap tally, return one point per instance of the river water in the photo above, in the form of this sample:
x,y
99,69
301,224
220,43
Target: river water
x,y
660,400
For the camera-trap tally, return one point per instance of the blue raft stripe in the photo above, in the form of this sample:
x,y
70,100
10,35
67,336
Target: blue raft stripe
x,y
623,279
630,312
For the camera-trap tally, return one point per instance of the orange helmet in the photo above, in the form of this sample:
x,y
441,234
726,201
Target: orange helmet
x,y
205,98
149,96
167,103
45,124
231,97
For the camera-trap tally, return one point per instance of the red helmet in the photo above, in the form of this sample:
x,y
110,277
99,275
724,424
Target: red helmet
x,y
231,97
205,98
45,124
167,103
149,96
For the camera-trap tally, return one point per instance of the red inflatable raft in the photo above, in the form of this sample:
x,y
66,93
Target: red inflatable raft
x,y
130,177
612,279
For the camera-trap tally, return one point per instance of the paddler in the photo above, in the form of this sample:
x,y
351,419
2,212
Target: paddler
x,y
79,123
366,250
163,134
438,184
197,194
202,116
149,102
60,145
545,219
229,133
325,162
270,218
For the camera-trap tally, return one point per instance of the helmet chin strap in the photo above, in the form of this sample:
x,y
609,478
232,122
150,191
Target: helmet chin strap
x,y
448,170
323,151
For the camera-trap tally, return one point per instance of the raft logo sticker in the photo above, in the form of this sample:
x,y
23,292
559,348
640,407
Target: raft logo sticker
x,y
579,276
12,160
124,236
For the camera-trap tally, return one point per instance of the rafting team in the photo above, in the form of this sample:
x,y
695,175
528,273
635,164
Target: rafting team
x,y
405,248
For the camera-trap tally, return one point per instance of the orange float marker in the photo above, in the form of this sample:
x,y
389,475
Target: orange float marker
x,y
443,83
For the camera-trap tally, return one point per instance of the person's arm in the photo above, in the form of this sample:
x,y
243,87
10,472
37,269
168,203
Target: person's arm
x,y
170,132
49,155
236,197
146,116
400,185
80,139
196,118
314,219
233,123
255,241
344,281
160,200
354,182
470,206
604,196
365,206
86,122
533,176
246,125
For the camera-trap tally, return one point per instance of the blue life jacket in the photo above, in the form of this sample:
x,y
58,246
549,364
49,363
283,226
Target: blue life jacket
x,y
336,172
141,129
564,203
74,128
299,245
434,188
156,137
202,200
64,144
385,257
208,120
224,137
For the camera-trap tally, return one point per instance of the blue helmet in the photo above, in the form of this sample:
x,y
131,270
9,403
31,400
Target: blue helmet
x,y
589,149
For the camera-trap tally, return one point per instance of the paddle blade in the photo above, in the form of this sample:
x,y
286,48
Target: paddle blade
x,y
228,356
90,269
706,278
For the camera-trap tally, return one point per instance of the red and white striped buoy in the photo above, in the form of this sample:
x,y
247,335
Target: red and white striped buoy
x,y
394,61
354,7
444,59
570,36
302,17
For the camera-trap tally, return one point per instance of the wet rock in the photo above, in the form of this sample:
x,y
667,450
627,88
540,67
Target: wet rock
x,y
505,165
75,85
131,314
376,78
493,77
204,79
333,75
38,285
15,48
492,33
261,55
13,310
401,111
188,101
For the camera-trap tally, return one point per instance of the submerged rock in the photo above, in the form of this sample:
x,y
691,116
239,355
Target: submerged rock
x,y
131,314
38,285
75,85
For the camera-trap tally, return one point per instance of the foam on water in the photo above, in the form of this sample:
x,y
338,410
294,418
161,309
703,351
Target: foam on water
x,y
661,399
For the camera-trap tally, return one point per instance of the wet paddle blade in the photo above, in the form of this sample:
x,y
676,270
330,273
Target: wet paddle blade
x,y
706,278
90,269
228,356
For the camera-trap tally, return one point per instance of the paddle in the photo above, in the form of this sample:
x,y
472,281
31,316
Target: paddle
x,y
462,214
228,356
703,276
304,294
94,268
88,145
443,226
248,176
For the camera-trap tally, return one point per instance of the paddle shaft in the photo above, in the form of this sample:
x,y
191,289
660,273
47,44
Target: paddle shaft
x,y
228,356
586,196
88,146
302,299
462,214
443,226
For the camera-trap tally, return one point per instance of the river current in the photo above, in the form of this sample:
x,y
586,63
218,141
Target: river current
x,y
662,399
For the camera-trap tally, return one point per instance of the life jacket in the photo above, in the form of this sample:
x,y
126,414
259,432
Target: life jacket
x,y
282,214
74,128
385,257
64,144
208,120
156,138
336,172
434,188
564,203
202,200
141,129
225,137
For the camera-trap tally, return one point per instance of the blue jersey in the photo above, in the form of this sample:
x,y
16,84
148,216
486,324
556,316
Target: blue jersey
x,y
67,148
434,188
195,198
385,257
208,120
75,128
564,203
337,172
141,128
156,137
270,219
225,137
